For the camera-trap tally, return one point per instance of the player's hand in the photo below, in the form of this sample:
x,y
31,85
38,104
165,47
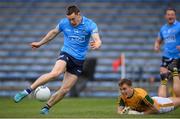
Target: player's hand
x,y
35,45
178,47
156,48
95,44
125,110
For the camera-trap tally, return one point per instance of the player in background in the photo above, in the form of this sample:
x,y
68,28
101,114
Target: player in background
x,y
138,100
169,35
77,30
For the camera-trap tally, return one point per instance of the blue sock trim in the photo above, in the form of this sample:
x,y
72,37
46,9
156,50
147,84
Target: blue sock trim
x,y
28,90
47,106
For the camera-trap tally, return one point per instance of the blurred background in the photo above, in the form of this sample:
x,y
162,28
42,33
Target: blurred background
x,y
125,26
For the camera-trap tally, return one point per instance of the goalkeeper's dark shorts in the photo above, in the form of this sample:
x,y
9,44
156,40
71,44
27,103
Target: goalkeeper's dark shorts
x,y
74,66
166,62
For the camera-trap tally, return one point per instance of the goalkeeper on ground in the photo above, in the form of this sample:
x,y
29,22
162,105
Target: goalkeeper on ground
x,y
137,101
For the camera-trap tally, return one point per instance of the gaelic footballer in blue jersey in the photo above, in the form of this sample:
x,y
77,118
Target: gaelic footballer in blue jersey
x,y
76,39
169,35
77,30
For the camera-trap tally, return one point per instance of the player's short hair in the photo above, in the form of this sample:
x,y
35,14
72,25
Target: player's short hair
x,y
72,9
169,8
125,81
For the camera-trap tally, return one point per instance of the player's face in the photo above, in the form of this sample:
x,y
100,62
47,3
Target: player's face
x,y
170,16
74,19
126,90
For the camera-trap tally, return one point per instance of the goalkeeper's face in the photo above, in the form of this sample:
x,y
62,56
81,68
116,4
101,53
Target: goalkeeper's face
x,y
126,90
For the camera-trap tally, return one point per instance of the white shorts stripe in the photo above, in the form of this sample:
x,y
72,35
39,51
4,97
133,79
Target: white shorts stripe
x,y
164,104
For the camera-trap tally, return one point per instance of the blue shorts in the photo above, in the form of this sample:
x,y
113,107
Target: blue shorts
x,y
74,66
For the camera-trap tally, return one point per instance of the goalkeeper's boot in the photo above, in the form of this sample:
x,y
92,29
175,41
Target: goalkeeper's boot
x,y
19,96
44,110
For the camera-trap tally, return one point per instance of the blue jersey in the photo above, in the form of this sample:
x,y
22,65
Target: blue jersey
x,y
170,34
76,38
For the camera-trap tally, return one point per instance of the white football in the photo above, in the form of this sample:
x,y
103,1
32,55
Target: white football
x,y
42,93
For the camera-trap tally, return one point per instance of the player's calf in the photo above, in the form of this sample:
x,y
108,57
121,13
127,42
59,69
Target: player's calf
x,y
163,86
176,79
56,97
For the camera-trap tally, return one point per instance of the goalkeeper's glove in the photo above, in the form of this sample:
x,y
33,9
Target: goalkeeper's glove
x,y
125,110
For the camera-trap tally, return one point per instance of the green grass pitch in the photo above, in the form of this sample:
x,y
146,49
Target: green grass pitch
x,y
71,108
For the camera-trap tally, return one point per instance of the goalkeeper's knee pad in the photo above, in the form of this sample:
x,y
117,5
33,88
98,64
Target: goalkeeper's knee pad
x,y
164,78
175,72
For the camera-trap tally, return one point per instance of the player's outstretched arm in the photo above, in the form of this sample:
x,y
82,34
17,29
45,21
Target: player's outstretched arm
x,y
178,47
157,44
152,109
121,110
96,43
50,35
151,105
128,110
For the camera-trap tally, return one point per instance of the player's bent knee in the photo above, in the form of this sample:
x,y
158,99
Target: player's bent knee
x,y
164,75
164,78
163,70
